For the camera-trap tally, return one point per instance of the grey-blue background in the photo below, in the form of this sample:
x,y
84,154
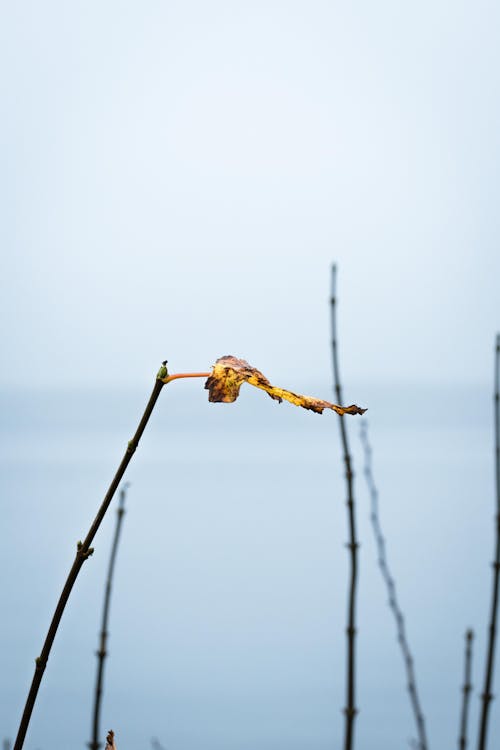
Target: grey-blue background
x,y
176,180
228,614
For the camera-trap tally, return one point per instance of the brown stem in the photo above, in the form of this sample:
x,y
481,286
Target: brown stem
x,y
487,696
462,740
102,652
350,710
421,743
84,550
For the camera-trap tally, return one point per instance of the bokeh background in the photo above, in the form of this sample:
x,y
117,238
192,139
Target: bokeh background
x,y
177,178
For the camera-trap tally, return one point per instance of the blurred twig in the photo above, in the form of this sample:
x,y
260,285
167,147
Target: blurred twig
x,y
462,740
350,708
487,695
391,588
102,652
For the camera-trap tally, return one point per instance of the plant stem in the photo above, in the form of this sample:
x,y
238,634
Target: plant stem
x,y
487,695
84,550
102,652
186,375
350,710
462,740
421,744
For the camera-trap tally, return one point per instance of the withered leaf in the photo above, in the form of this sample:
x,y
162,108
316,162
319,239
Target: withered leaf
x,y
229,373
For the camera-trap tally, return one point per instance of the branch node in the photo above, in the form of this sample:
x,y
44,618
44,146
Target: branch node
x,y
40,664
487,697
163,371
352,545
84,554
351,712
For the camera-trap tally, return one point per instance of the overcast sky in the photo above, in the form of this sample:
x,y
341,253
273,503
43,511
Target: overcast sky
x,y
178,176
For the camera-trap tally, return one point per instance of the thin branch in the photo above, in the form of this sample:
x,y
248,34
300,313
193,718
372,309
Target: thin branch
x,y
487,695
462,740
102,652
84,551
350,710
421,743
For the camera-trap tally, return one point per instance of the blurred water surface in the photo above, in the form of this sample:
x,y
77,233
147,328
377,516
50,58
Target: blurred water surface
x,y
228,611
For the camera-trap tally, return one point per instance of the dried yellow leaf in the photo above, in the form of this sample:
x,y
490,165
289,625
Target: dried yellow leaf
x,y
229,373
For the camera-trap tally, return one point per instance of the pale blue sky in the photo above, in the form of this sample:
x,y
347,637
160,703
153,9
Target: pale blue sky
x,y
178,177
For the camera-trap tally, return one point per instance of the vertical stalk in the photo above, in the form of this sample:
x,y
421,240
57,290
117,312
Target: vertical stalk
x,y
487,696
102,652
83,552
421,743
350,709
462,740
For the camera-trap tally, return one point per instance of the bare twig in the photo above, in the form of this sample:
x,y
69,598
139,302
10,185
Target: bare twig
x,y
421,742
462,740
350,709
84,550
102,652
487,695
